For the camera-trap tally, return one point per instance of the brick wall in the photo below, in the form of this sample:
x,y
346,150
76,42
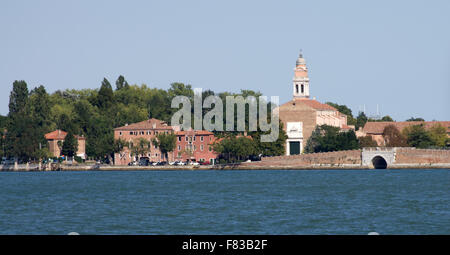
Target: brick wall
x,y
297,112
334,158
420,156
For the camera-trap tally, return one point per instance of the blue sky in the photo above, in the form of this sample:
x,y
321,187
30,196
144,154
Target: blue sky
x,y
392,53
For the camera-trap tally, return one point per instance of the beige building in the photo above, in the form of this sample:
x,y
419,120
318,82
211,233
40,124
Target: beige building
x,y
301,115
58,136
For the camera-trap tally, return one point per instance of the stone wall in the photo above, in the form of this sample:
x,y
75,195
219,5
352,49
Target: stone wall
x,y
421,156
350,157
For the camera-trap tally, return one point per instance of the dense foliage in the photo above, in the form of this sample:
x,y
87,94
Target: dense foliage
x,y
94,113
326,138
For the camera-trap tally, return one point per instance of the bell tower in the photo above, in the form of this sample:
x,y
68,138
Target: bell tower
x,y
301,79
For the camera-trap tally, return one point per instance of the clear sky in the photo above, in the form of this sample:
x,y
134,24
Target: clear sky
x,y
392,53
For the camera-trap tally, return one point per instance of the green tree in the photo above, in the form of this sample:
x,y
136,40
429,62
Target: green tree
x,y
121,83
393,137
100,138
234,149
418,137
344,110
276,148
3,121
328,138
105,98
166,143
387,118
361,120
21,137
139,148
70,145
438,135
367,141
18,98
415,119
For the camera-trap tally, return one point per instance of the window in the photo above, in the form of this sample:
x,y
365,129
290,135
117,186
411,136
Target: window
x,y
296,88
120,133
209,148
179,139
201,147
195,147
201,138
303,89
194,138
131,132
179,147
186,138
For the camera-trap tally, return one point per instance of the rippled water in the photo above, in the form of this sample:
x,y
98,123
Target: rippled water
x,y
226,202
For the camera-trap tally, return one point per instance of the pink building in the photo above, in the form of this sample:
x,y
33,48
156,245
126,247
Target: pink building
x,y
147,129
195,145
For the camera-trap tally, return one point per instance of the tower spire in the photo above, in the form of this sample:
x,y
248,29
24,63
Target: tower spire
x,y
301,79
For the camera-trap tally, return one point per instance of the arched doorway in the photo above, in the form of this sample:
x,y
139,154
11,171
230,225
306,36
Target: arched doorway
x,y
379,162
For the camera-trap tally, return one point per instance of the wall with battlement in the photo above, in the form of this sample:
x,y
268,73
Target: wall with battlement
x,y
421,156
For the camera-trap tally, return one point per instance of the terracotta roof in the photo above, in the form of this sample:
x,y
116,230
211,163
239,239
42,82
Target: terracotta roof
x,y
345,127
59,135
196,132
238,136
146,124
378,127
312,103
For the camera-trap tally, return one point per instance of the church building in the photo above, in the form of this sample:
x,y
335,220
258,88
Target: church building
x,y
301,115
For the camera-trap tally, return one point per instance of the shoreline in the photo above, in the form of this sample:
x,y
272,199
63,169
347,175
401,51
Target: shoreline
x,y
245,166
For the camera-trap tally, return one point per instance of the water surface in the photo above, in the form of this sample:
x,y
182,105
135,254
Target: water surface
x,y
226,202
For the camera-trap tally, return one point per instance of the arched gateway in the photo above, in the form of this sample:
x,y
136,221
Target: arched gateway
x,y
379,162
378,158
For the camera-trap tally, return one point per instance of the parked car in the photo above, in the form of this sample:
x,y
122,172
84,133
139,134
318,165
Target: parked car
x,y
193,163
172,163
162,163
133,163
144,162
155,163
204,163
180,163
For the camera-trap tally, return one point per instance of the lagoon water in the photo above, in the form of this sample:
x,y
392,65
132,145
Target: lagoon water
x,y
226,202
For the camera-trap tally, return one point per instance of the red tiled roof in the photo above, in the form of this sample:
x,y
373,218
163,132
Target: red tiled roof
x,y
313,104
59,135
146,124
345,127
56,135
378,127
194,132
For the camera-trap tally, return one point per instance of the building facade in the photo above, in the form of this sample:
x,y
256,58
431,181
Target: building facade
x,y
301,115
55,140
195,145
131,134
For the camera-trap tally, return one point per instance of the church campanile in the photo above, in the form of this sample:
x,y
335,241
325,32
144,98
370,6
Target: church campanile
x,y
301,80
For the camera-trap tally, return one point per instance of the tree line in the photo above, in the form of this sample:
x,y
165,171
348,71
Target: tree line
x,y
94,113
